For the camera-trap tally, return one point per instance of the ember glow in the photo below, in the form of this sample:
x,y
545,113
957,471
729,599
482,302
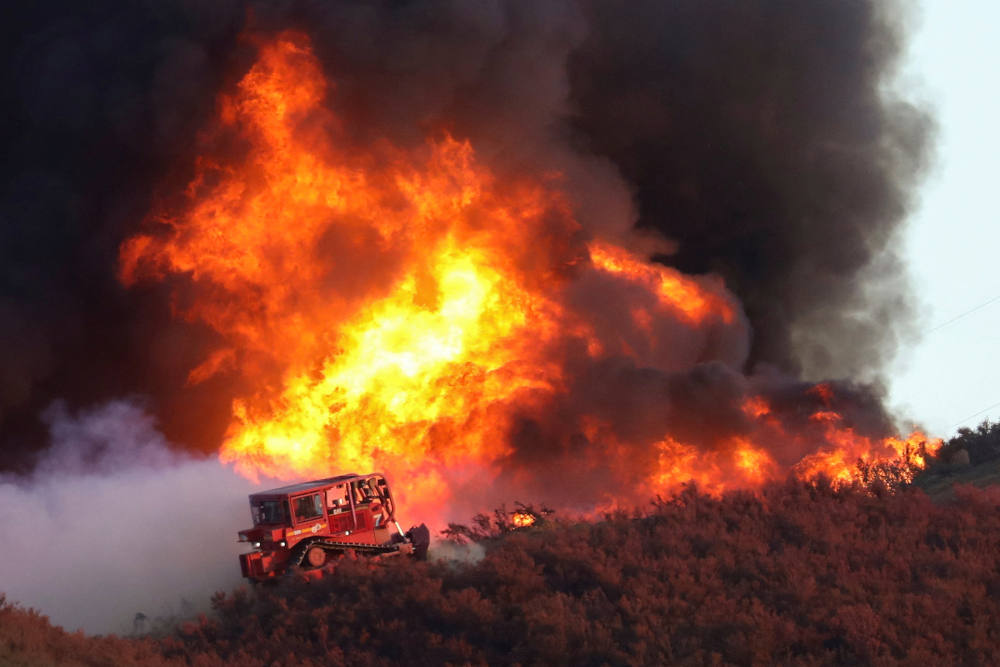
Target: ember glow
x,y
397,310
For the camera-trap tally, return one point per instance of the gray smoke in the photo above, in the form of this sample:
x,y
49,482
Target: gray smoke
x,y
113,523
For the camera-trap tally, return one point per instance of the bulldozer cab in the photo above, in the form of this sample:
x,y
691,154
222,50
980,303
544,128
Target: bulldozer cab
x,y
355,503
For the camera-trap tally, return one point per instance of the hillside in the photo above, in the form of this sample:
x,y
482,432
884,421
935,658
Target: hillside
x,y
940,484
970,458
798,575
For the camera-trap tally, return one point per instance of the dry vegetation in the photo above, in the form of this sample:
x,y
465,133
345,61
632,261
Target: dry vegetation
x,y
27,638
800,574
980,467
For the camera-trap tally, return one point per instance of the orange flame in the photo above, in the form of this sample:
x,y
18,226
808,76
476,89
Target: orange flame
x,y
673,290
389,309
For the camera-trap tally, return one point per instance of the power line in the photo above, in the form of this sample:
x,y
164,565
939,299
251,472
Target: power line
x,y
968,312
955,319
986,409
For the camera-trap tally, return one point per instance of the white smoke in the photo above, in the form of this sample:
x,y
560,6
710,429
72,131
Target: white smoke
x,y
113,523
443,550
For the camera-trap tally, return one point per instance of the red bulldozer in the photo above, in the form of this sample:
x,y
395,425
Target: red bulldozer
x,y
303,526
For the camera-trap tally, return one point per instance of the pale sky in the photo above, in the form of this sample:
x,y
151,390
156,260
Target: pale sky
x,y
952,242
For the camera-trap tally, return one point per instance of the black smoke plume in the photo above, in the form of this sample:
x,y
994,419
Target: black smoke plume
x,y
760,138
755,137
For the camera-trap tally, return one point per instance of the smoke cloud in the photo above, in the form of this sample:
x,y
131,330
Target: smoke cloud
x,y
113,523
755,141
761,138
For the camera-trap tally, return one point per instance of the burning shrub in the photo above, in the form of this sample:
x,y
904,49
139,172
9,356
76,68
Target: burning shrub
x,y
486,527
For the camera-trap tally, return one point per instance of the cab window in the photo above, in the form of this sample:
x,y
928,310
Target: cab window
x,y
365,491
308,507
270,511
380,487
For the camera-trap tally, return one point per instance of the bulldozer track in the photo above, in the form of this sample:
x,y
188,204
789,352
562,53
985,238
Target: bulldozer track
x,y
299,554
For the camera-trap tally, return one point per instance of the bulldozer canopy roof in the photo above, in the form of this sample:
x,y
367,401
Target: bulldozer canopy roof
x,y
299,487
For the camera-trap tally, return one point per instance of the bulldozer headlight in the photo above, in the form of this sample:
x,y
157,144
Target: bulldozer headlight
x,y
256,545
282,543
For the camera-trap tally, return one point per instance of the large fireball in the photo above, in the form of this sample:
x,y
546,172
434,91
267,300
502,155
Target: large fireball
x,y
403,310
